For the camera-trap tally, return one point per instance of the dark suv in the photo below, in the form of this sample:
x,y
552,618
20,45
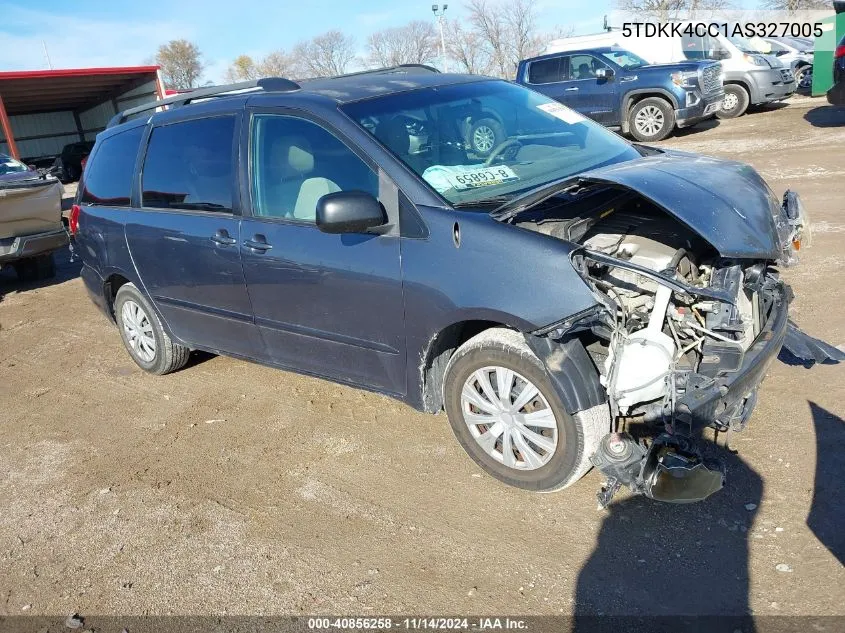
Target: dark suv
x,y
621,90
540,293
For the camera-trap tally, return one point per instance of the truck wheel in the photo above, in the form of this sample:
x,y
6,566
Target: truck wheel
x,y
145,339
36,268
484,135
509,419
735,103
651,119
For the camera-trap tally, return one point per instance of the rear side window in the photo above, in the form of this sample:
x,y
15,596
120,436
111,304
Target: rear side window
x,y
545,71
108,178
189,166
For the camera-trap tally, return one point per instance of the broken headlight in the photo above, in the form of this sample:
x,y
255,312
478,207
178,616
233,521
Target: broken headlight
x,y
793,228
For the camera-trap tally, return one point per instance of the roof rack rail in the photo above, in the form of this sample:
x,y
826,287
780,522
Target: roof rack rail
x,y
400,68
270,84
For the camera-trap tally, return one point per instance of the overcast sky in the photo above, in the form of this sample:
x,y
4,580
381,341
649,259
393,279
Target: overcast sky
x,y
89,33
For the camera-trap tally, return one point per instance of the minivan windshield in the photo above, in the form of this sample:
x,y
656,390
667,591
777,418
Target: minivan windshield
x,y
486,142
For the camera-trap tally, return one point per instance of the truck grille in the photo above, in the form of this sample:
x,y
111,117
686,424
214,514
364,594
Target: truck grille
x,y
711,78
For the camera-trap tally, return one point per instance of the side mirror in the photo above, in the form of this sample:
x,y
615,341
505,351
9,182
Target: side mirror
x,y
720,53
780,53
604,73
349,212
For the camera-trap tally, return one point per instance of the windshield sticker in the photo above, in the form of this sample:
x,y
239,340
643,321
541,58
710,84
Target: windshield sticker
x,y
464,177
560,111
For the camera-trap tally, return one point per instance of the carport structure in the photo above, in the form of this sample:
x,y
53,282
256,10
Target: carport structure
x,y
43,110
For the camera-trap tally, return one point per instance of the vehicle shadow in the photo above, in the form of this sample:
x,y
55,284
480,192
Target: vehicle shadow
x,y
657,564
766,107
65,271
826,116
701,126
827,512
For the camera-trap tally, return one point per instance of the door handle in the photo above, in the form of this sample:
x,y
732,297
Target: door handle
x,y
573,89
222,238
258,244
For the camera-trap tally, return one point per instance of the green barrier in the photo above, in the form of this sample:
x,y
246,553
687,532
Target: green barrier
x,y
833,28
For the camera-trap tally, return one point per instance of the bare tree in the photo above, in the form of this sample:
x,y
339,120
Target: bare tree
x,y
413,43
792,6
663,10
276,64
325,55
466,48
181,64
507,31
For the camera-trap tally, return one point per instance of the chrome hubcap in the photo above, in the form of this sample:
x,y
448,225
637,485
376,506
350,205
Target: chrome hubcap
x,y
730,101
649,120
509,418
139,331
483,138
805,78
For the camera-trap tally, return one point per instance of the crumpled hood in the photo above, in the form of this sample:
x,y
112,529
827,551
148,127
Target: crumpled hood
x,y
725,202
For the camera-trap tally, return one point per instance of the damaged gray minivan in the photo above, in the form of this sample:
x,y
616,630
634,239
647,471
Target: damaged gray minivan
x,y
569,298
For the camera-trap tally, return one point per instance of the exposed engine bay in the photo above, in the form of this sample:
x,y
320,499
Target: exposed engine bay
x,y
682,336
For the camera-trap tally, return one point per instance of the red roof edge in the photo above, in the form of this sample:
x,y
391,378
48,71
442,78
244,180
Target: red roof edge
x,y
78,72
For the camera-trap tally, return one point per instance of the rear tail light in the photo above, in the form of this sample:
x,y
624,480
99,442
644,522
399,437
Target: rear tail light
x,y
73,219
840,51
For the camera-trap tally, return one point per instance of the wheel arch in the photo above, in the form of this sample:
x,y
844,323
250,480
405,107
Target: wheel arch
x,y
113,281
633,97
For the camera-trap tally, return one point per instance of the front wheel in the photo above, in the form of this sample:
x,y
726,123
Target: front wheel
x,y
484,135
804,78
735,102
508,417
651,119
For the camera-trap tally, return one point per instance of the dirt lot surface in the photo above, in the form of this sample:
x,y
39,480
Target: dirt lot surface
x,y
233,488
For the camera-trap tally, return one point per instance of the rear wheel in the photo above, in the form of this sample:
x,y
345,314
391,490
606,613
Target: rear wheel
x,y
143,336
735,102
651,119
508,417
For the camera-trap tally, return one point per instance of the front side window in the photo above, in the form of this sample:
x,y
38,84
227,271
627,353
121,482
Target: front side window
x,y
295,162
189,166
529,139
108,177
584,67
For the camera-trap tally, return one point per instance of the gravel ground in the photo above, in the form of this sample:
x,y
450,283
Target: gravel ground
x,y
231,488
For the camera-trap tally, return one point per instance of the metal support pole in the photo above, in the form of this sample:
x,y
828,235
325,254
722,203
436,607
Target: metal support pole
x,y
442,44
7,131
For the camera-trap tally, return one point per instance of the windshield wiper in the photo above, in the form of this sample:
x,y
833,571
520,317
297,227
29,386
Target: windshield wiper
x,y
517,205
483,202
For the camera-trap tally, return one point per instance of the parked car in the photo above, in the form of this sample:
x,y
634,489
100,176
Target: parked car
x,y
566,281
795,53
750,78
836,93
621,90
31,226
69,162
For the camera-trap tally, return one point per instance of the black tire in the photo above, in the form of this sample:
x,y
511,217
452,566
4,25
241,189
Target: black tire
x,y
484,136
579,434
654,112
168,355
738,98
36,268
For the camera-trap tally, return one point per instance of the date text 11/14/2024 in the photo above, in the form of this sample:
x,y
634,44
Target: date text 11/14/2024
x,y
418,623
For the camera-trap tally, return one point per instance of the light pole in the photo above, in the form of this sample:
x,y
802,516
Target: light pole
x,y
440,15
